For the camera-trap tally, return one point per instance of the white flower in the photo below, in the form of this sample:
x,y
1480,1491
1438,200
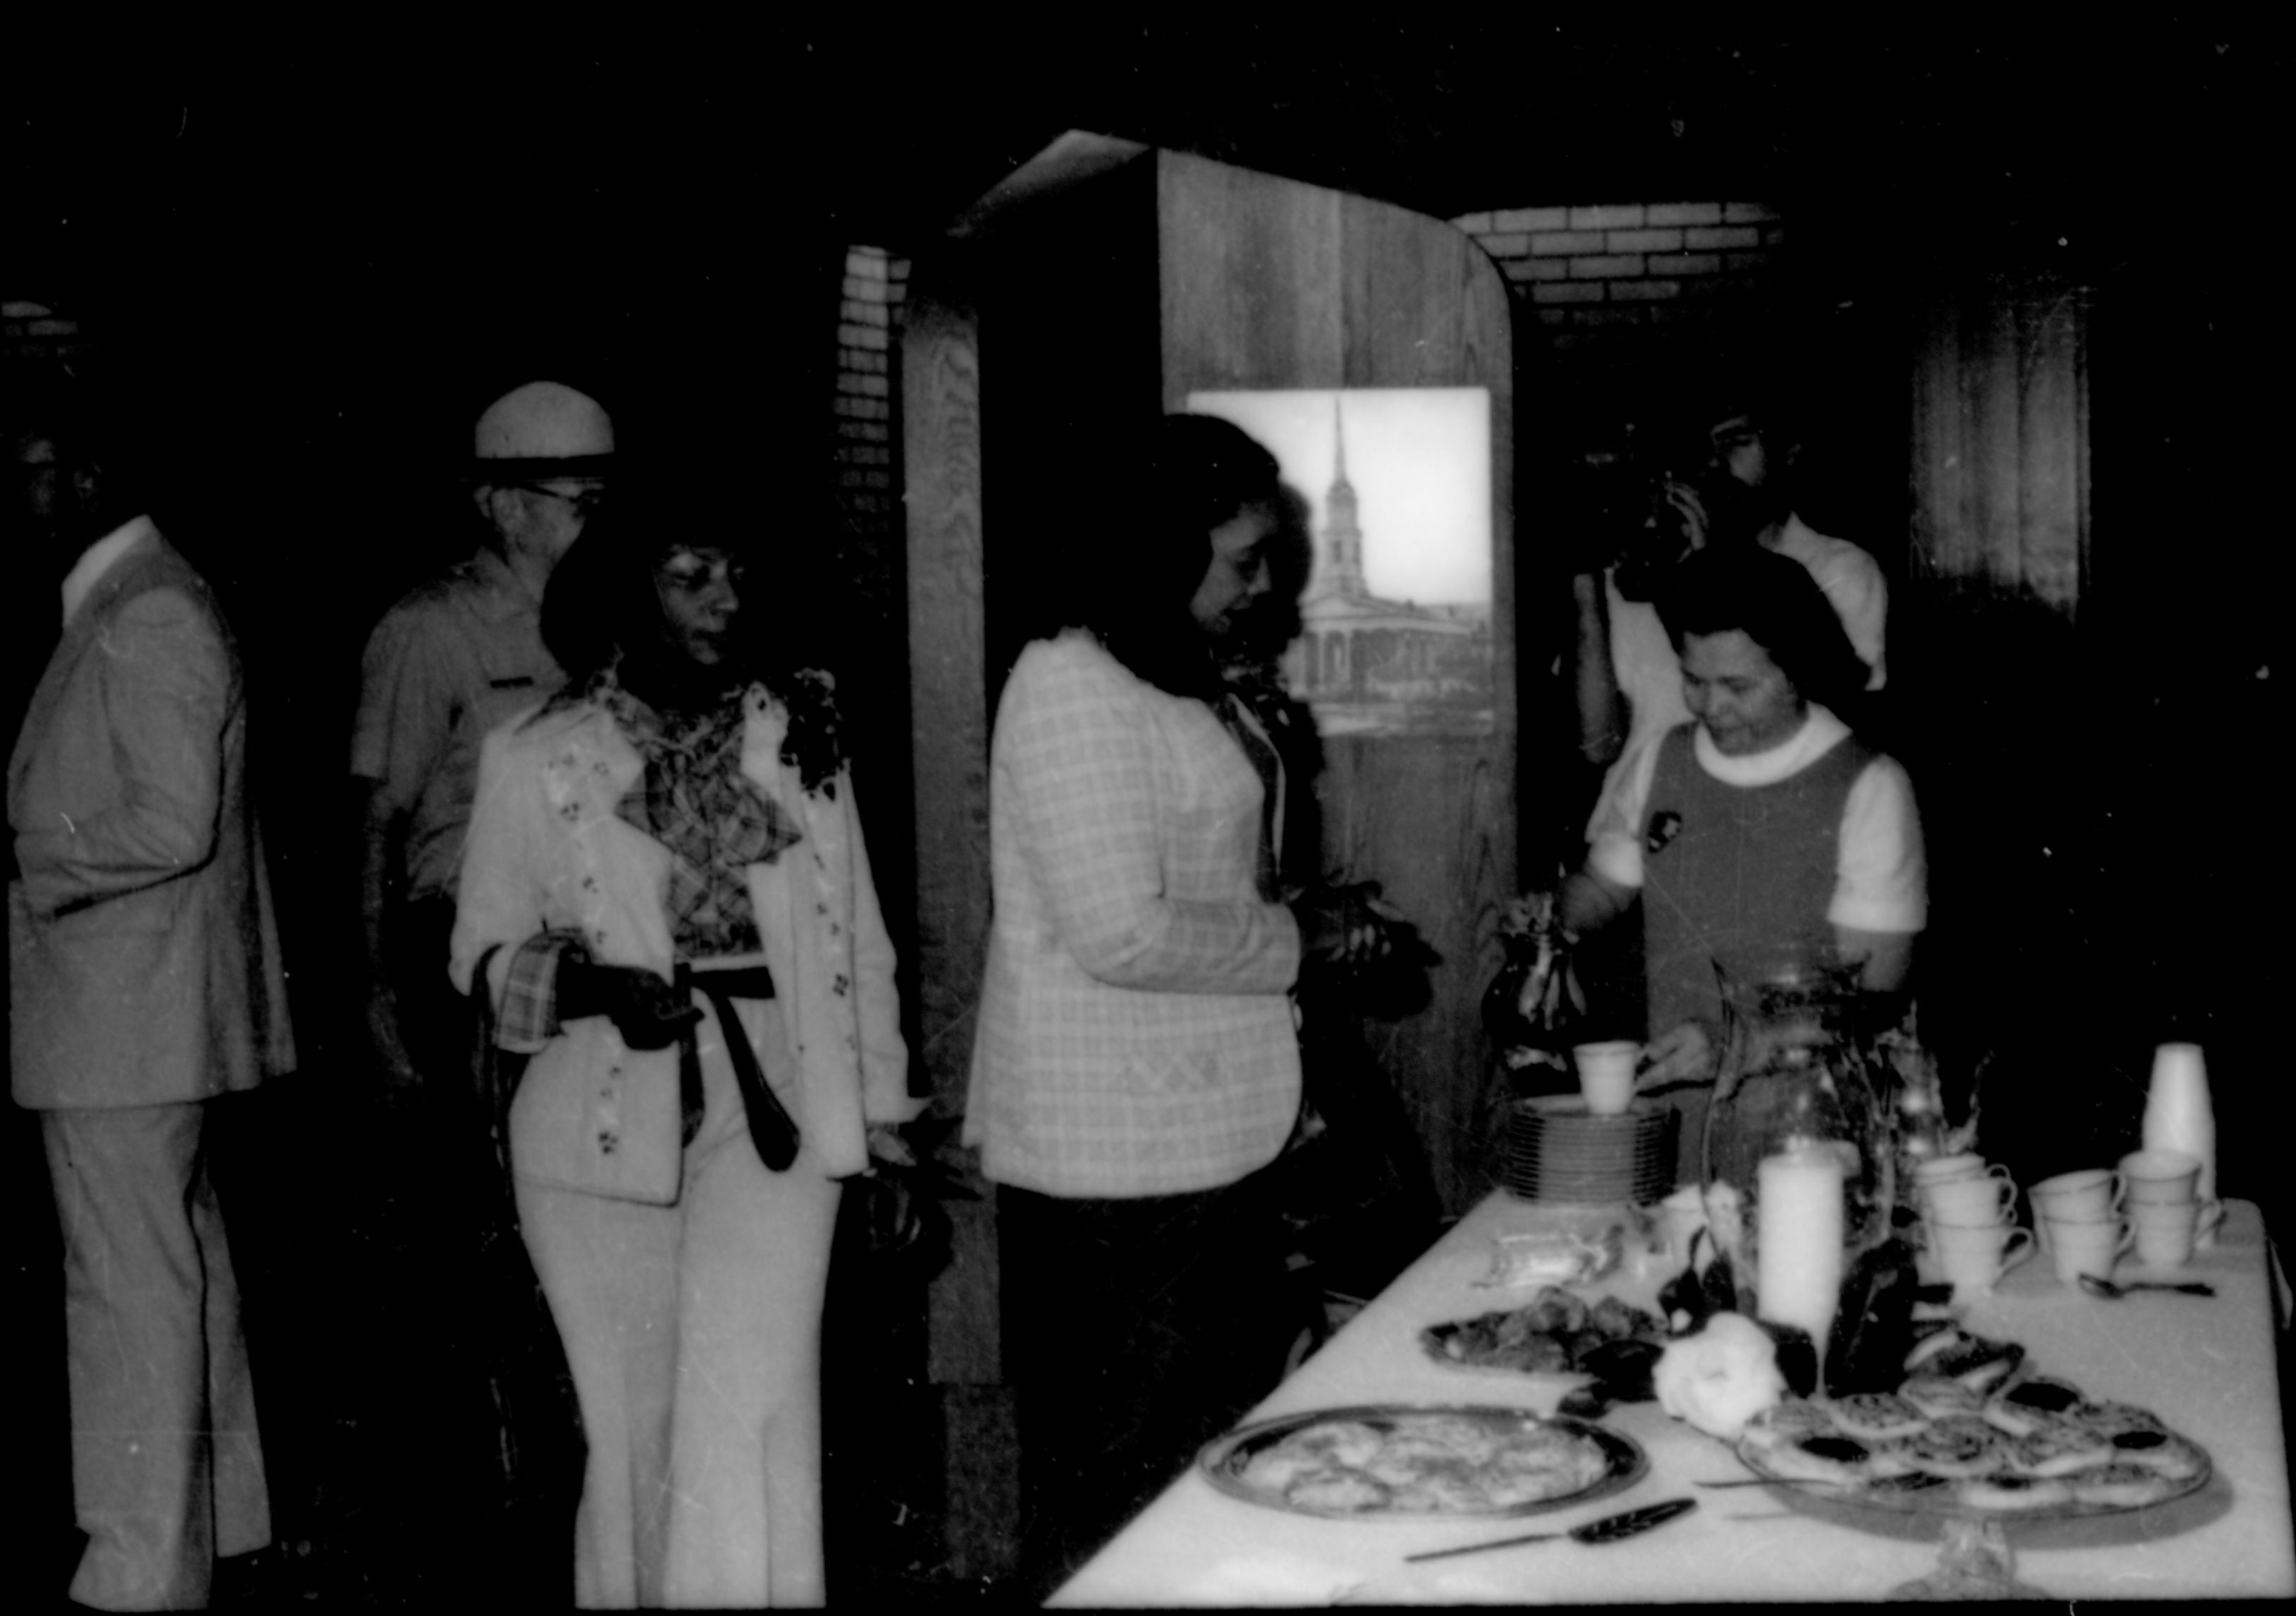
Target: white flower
x,y
1721,1377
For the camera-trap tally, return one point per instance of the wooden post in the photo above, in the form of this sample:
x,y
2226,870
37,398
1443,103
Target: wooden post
x,y
941,393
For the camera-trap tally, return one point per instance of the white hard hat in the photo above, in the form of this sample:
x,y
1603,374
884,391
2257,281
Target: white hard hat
x,y
544,429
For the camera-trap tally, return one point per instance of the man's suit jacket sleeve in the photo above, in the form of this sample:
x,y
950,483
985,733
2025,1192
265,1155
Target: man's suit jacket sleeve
x,y
155,693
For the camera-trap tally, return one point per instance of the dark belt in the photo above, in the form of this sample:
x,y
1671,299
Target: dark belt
x,y
771,1129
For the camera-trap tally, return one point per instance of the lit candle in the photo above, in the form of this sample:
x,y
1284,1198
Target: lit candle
x,y
1798,1233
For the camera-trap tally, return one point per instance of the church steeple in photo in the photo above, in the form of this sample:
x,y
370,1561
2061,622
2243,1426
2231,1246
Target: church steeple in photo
x,y
1367,664
1342,535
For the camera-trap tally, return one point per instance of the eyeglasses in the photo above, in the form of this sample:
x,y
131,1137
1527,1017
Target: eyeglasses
x,y
585,501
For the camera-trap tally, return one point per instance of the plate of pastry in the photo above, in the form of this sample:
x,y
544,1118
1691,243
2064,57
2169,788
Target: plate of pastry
x,y
2036,1448
1408,1461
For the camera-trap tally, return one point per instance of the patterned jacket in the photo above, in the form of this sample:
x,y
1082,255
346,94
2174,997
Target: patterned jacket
x,y
1136,1034
547,851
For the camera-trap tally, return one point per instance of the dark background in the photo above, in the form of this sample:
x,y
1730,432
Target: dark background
x,y
310,265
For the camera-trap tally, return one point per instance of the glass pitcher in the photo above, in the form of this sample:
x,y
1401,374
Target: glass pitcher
x,y
1794,1079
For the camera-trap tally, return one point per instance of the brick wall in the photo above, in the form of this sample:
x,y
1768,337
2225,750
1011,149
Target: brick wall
x,y
866,317
869,540
870,543
1607,274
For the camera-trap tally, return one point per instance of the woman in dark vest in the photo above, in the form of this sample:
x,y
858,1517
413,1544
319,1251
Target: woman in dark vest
x,y
1763,829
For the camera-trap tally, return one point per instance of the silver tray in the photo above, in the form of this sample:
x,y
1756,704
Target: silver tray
x,y
1223,1461
1940,1501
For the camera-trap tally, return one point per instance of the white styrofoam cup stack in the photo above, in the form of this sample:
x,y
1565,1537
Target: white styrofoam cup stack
x,y
2178,1117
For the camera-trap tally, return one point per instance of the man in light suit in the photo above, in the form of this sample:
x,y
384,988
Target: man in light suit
x,y
144,981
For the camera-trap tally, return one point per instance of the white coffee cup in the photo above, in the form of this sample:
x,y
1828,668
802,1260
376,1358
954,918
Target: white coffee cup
x,y
1606,1075
2085,1246
2160,1177
1965,1164
2092,1193
1974,1258
1984,1199
2165,1232
1677,1219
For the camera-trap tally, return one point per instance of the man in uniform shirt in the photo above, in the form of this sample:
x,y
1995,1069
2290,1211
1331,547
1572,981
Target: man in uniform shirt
x,y
447,664
474,1368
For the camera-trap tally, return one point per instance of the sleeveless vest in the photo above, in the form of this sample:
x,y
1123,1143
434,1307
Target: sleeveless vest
x,y
1732,875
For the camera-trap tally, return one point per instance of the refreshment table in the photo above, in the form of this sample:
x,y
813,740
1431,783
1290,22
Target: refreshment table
x,y
2206,1366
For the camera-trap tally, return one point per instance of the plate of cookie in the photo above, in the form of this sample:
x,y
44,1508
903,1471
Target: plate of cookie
x,y
1405,1461
2032,1449
1555,1333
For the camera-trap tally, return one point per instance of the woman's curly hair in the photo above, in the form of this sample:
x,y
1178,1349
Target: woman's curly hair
x,y
601,606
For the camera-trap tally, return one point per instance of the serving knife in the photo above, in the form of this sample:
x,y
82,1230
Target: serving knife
x,y
1610,1529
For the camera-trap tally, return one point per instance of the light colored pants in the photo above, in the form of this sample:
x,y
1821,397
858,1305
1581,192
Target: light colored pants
x,y
167,1465
693,1333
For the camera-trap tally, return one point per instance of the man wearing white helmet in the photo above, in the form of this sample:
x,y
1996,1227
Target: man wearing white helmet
x,y
456,657
447,664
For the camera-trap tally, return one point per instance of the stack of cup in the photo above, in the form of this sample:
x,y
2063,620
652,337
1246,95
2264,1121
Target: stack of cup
x,y
2166,1213
1969,1209
2080,1217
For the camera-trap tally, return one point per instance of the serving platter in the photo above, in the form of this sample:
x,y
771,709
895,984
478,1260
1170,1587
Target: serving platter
x,y
1942,1500
1413,1462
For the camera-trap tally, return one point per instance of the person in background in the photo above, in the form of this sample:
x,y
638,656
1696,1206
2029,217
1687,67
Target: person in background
x,y
1136,1066
473,1366
145,982
1762,826
1628,678
1745,494
445,665
666,894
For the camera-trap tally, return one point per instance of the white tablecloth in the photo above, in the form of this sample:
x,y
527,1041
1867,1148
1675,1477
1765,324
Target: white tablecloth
x,y
2207,1367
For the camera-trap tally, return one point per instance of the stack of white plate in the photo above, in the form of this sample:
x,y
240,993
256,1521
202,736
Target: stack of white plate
x,y
1557,1151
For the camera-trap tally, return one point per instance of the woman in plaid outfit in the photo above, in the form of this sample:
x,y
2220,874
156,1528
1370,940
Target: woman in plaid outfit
x,y
1137,1063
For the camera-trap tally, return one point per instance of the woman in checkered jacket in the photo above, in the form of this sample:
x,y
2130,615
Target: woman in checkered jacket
x,y
1137,1063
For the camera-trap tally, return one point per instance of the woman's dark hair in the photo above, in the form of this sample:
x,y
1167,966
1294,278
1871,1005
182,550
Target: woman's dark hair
x,y
1773,601
601,604
1194,473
